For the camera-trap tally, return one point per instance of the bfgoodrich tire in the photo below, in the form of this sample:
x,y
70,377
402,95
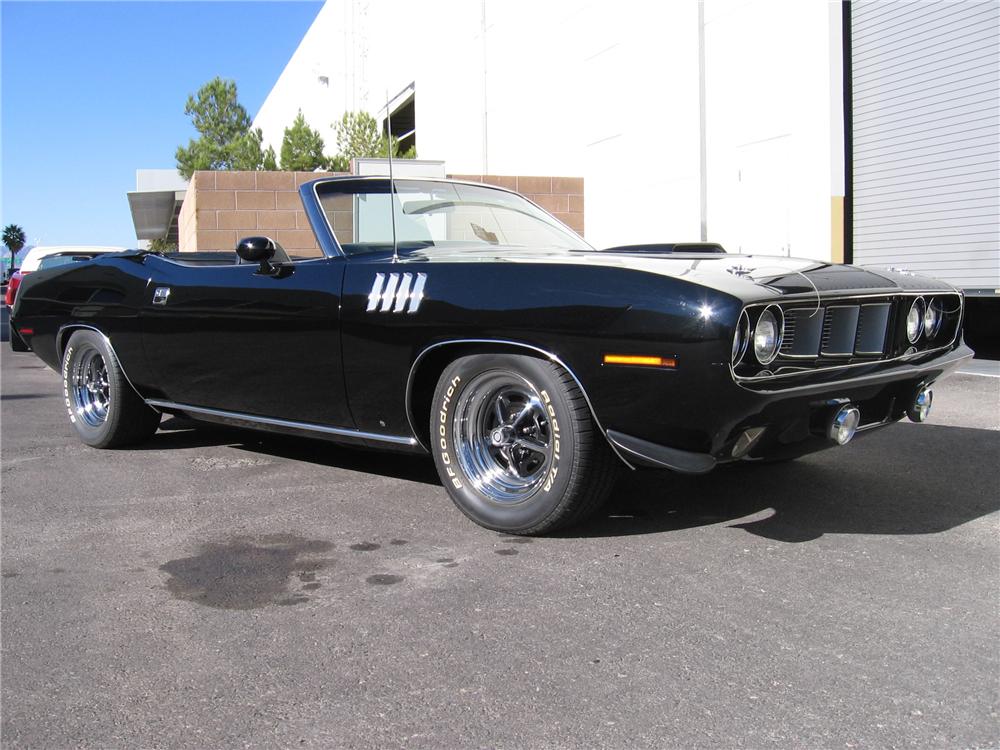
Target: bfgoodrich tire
x,y
515,444
103,407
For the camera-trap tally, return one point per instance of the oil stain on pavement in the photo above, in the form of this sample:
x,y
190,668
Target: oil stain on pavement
x,y
249,573
383,579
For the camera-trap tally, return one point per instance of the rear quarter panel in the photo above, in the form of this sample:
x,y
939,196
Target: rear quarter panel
x,y
105,293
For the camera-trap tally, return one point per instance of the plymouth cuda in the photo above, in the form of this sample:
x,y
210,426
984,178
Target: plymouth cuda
x,y
462,321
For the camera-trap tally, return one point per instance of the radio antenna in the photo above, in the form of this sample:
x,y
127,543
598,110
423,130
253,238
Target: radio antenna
x,y
392,186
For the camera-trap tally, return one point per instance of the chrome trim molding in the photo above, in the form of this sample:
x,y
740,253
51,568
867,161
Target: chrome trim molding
x,y
744,326
873,377
504,342
780,320
328,241
779,376
811,296
312,186
307,426
920,319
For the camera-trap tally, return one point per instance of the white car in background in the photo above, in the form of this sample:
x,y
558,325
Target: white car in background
x,y
52,255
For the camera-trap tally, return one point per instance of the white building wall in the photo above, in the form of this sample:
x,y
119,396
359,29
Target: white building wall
x,y
768,126
604,91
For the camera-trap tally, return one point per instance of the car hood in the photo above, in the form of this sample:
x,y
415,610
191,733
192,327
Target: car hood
x,y
749,277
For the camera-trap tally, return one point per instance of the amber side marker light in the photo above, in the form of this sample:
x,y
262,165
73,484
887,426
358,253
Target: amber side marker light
x,y
639,360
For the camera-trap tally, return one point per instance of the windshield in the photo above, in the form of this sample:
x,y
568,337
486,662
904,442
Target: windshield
x,y
437,214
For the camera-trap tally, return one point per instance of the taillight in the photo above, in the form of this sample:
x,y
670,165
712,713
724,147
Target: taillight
x,y
12,285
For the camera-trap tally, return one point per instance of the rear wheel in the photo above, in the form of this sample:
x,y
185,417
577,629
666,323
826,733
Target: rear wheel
x,y
103,407
515,444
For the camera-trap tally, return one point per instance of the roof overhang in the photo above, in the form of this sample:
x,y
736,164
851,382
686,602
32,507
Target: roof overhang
x,y
155,212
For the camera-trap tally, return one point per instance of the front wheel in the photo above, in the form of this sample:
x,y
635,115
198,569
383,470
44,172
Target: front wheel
x,y
515,444
103,407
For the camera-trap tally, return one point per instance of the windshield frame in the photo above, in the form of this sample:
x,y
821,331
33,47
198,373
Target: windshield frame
x,y
355,184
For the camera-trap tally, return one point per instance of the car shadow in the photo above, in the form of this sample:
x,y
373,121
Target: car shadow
x,y
903,480
177,432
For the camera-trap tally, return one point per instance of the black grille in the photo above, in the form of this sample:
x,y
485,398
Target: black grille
x,y
803,330
841,328
840,331
872,327
848,330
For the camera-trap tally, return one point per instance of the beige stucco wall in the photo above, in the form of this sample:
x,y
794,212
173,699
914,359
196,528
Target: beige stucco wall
x,y
222,207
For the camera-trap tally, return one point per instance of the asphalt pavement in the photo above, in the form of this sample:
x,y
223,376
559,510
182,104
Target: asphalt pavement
x,y
218,588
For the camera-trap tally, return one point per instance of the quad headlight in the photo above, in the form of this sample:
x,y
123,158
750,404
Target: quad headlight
x,y
767,335
741,338
915,320
932,319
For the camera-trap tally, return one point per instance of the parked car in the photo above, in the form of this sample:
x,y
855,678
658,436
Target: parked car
x,y
467,323
35,258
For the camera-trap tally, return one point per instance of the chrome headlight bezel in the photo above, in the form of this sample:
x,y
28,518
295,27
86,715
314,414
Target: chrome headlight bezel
x,y
915,320
773,314
932,319
741,338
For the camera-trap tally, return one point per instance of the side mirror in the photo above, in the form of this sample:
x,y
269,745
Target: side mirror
x,y
257,250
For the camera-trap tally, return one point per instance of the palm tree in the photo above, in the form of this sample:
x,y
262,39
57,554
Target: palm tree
x,y
14,239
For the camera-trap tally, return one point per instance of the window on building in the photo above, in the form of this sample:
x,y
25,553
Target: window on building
x,y
404,124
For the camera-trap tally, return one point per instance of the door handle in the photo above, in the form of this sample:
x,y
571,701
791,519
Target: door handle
x,y
160,295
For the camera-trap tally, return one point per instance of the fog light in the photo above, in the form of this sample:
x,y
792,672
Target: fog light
x,y
921,405
746,441
844,424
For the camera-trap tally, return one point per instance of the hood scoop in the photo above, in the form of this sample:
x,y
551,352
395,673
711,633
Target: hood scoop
x,y
670,248
822,278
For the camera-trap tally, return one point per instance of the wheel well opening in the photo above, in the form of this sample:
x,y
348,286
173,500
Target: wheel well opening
x,y
428,372
62,339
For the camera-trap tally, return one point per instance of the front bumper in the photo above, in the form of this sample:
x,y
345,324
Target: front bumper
x,y
793,419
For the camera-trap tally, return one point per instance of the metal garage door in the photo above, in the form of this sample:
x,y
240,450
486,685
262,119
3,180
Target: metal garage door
x,y
926,138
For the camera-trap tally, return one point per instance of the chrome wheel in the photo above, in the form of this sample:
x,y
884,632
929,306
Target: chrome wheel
x,y
503,437
90,388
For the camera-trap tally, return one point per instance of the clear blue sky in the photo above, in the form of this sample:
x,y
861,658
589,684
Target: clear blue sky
x,y
92,91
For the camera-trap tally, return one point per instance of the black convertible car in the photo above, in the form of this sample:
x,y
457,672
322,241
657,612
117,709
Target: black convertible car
x,y
463,321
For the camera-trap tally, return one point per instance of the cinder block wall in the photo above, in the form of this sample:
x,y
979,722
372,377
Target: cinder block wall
x,y
221,207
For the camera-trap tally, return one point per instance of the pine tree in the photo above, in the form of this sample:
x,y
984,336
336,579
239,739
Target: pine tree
x,y
225,139
302,147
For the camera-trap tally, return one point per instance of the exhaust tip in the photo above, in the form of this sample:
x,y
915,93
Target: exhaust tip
x,y
919,410
844,424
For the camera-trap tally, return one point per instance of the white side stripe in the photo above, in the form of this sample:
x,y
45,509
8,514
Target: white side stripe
x,y
390,292
417,295
393,293
403,293
376,293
